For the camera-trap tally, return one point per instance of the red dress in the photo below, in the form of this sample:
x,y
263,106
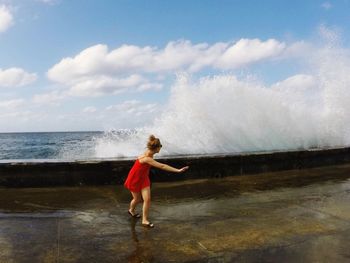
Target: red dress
x,y
138,177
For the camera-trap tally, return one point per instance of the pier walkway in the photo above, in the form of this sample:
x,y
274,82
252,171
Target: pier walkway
x,y
289,216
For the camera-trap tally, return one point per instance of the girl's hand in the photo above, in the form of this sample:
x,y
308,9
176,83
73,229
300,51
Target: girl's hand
x,y
183,169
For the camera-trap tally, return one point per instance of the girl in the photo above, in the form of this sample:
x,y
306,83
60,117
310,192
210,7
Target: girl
x,y
138,181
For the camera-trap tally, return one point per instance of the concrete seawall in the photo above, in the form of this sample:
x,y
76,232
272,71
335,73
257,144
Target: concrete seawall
x,y
42,173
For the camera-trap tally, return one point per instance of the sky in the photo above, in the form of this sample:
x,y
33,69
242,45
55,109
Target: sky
x,y
81,65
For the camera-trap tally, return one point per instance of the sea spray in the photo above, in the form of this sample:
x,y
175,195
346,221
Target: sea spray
x,y
120,143
225,114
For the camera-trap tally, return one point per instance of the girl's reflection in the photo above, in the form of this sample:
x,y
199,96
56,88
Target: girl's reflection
x,y
143,246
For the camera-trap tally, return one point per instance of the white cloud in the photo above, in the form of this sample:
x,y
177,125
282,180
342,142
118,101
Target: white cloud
x,y
102,84
297,49
52,98
134,107
6,18
16,114
329,34
150,86
179,55
326,5
23,121
16,77
296,82
247,51
89,109
11,104
97,70
49,2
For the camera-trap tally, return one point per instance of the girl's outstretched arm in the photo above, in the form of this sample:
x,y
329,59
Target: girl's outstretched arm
x,y
163,166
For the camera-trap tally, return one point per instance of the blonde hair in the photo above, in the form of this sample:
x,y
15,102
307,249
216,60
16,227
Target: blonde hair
x,y
153,143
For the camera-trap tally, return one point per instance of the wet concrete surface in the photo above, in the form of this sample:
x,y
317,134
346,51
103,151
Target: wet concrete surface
x,y
290,216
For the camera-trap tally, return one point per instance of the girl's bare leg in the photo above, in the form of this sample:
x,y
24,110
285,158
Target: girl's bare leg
x,y
146,196
136,198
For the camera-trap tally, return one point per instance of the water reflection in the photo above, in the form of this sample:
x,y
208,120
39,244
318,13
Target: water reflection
x,y
142,250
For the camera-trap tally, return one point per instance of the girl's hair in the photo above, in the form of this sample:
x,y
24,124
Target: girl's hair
x,y
153,143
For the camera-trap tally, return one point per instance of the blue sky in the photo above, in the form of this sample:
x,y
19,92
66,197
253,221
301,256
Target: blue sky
x,y
124,76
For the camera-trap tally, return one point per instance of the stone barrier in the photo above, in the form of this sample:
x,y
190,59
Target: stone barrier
x,y
43,173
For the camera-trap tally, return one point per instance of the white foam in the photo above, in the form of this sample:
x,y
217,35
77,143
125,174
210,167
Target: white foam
x,y
224,114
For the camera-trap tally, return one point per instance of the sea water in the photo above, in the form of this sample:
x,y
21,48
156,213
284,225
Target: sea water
x,y
48,145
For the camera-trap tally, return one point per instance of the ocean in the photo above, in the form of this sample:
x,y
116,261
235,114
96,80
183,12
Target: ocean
x,y
48,145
